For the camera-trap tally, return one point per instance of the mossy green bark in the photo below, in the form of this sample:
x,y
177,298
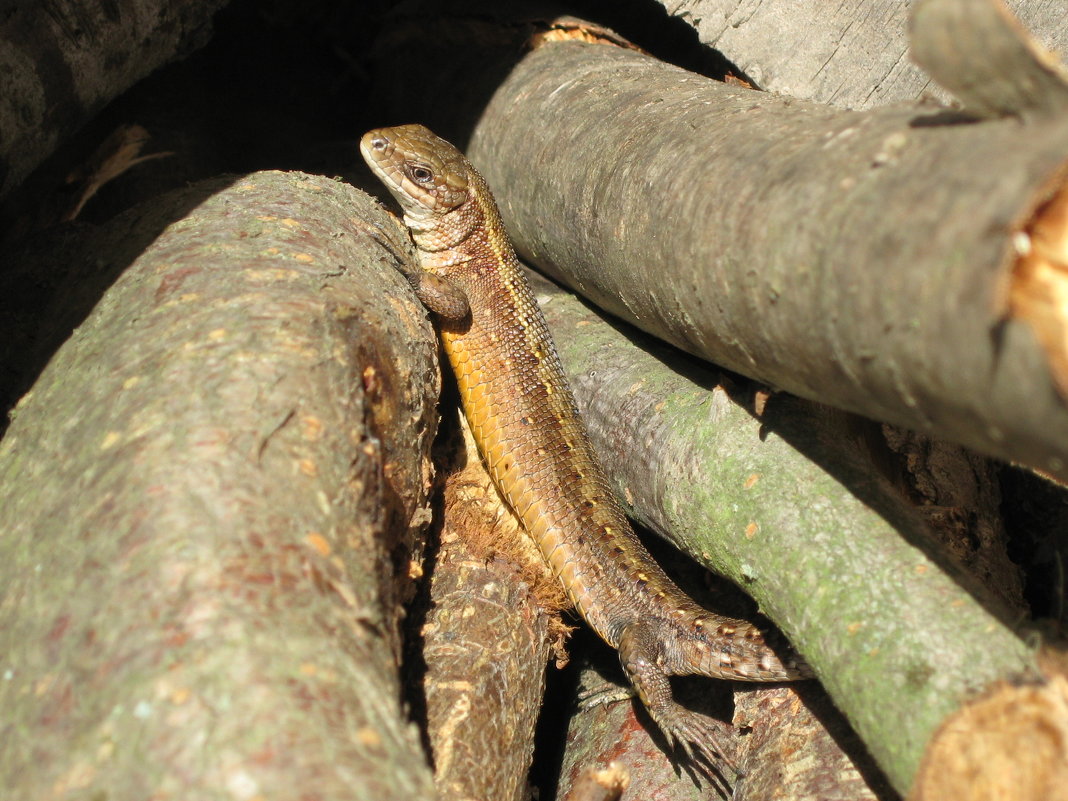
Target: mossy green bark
x,y
784,504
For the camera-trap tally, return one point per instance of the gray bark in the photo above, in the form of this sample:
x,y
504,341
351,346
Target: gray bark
x,y
852,54
976,49
860,259
208,506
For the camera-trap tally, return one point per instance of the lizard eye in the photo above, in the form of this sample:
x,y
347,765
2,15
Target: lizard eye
x,y
420,174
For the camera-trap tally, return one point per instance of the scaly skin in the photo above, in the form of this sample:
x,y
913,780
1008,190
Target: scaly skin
x,y
528,429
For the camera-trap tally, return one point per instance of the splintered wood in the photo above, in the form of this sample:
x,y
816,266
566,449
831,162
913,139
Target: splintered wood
x,y
492,627
1039,289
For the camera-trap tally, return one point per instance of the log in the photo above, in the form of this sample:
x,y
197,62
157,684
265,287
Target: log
x,y
209,504
1010,743
858,259
786,740
64,60
794,749
621,736
977,50
781,496
493,622
854,54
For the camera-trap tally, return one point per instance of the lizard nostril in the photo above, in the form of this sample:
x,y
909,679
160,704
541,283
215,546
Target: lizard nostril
x,y
379,143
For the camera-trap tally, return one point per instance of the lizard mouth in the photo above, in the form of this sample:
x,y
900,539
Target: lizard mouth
x,y
377,151
388,162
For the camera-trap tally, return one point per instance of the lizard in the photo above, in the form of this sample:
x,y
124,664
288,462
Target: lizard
x,y
530,435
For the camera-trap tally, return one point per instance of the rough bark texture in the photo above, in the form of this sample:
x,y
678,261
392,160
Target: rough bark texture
x,y
208,508
859,259
61,61
619,733
957,493
852,54
786,744
788,505
489,634
792,749
256,610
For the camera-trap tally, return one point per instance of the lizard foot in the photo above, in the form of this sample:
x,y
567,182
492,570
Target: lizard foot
x,y
590,697
695,736
691,735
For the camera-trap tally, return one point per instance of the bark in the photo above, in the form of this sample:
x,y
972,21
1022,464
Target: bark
x,y
959,496
787,741
781,496
619,734
493,623
780,741
793,749
859,259
976,49
208,505
63,60
852,54
56,276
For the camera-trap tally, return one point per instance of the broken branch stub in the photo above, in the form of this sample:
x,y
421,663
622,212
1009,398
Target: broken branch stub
x,y
979,51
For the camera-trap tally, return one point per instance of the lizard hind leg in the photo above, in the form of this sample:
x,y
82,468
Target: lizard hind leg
x,y
699,738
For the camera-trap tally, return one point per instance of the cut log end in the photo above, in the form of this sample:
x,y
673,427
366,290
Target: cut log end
x,y
1011,743
572,29
1038,292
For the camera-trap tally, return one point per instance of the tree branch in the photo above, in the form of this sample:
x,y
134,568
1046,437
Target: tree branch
x,y
780,496
209,502
493,621
859,259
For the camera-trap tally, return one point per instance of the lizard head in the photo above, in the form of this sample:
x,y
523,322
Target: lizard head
x,y
429,177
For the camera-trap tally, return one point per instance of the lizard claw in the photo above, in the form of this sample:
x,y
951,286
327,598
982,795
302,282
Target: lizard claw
x,y
690,736
694,737
688,733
